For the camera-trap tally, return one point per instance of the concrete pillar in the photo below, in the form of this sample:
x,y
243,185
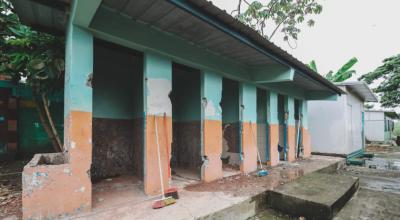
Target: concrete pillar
x,y
306,138
158,85
211,86
273,128
291,129
248,118
62,186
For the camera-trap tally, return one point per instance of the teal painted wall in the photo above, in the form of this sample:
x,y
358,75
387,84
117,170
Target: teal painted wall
x,y
157,66
212,92
273,107
185,96
78,67
290,110
118,83
248,94
230,101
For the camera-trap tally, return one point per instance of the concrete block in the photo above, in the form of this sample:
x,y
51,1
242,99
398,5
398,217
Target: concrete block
x,y
314,196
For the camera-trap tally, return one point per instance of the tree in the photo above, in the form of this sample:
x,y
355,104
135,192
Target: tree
x,y
269,16
344,73
389,77
36,57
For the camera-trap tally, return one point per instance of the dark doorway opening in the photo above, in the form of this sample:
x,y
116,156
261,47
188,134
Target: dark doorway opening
x,y
186,124
262,126
230,127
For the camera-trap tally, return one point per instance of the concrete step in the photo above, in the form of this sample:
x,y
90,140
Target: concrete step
x,y
314,196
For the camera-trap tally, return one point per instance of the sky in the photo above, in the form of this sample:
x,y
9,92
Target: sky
x,y
366,29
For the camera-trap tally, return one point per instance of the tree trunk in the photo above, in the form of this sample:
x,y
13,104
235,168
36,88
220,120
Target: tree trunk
x,y
44,123
51,122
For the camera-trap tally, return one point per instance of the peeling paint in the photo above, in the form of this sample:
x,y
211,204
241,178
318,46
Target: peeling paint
x,y
158,101
210,109
67,170
73,145
81,189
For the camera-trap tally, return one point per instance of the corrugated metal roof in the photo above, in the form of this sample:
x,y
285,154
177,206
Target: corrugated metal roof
x,y
170,16
361,89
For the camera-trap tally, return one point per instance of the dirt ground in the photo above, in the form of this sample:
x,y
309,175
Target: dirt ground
x,y
381,148
251,184
10,189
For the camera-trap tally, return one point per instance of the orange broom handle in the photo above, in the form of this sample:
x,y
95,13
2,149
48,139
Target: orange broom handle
x,y
166,140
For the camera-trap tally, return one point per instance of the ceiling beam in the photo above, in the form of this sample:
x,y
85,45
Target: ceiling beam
x,y
272,74
84,11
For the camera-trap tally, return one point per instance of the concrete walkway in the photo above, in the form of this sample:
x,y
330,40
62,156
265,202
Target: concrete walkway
x,y
236,197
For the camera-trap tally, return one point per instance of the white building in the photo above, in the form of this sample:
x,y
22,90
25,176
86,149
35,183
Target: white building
x,y
337,125
379,125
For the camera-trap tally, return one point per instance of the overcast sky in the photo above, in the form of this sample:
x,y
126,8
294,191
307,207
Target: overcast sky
x,y
366,29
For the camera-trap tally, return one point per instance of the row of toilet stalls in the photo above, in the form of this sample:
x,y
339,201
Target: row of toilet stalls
x,y
283,116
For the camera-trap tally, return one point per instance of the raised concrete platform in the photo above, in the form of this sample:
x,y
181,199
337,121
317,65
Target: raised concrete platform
x,y
235,197
314,196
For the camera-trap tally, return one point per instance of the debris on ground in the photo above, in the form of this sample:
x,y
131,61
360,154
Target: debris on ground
x,y
10,189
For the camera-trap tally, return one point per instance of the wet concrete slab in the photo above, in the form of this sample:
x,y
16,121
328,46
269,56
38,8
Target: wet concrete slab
x,y
379,193
235,197
371,204
314,196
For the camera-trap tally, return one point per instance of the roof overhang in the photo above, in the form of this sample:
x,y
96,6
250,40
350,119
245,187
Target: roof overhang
x,y
387,113
361,89
203,25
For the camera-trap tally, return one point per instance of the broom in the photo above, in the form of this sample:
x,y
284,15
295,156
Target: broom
x,y
164,201
262,171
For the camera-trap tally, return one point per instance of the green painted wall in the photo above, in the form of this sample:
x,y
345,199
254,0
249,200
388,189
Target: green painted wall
x,y
78,67
290,109
212,92
230,101
248,95
31,136
117,83
185,96
272,107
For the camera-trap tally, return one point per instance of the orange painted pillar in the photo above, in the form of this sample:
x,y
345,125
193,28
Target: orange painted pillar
x,y
248,117
212,127
158,108
273,128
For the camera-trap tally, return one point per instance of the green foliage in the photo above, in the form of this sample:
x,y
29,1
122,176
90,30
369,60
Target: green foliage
x,y
272,15
313,65
368,106
26,53
389,77
344,73
36,57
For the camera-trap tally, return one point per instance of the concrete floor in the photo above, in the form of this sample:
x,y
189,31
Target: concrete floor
x,y
371,204
229,198
379,193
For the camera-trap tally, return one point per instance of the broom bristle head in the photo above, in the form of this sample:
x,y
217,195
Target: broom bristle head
x,y
158,204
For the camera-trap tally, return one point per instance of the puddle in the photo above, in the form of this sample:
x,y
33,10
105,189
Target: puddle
x,y
382,164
